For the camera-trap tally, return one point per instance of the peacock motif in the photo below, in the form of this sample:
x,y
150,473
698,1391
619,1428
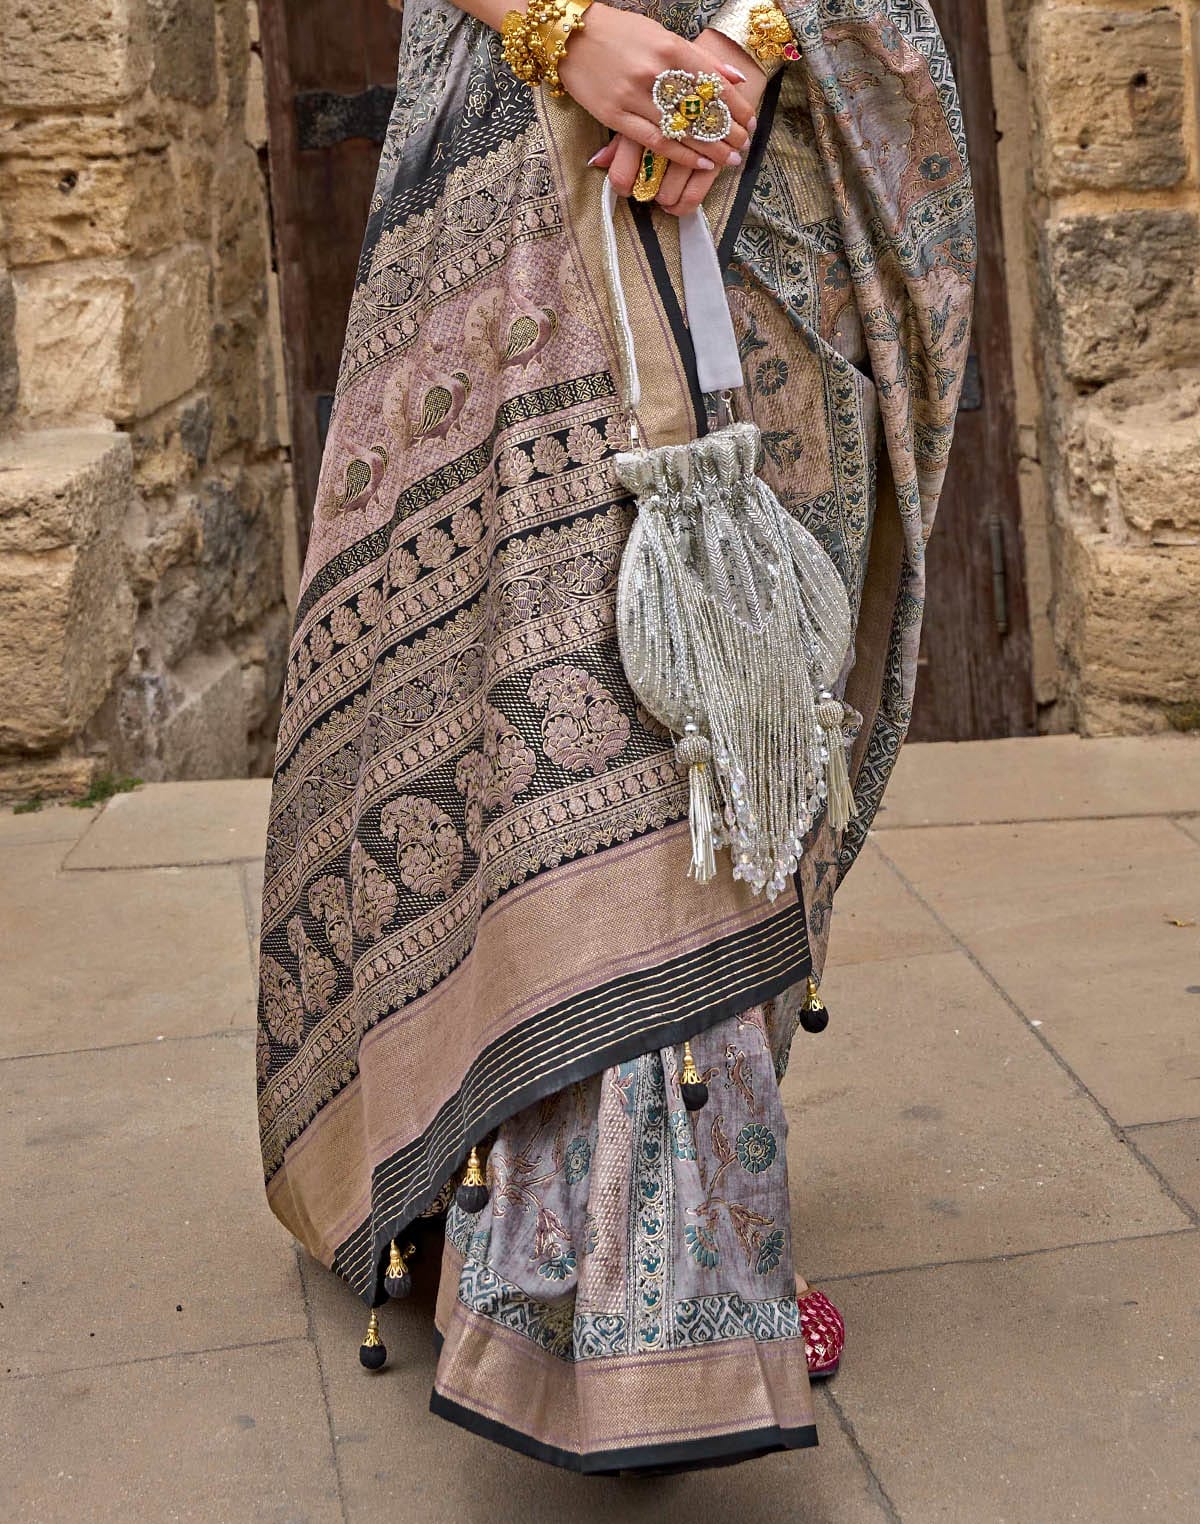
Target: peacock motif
x,y
362,479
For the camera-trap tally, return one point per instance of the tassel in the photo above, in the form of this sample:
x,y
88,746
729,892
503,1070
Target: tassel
x,y
691,1086
814,1017
372,1352
694,752
472,1193
397,1280
831,712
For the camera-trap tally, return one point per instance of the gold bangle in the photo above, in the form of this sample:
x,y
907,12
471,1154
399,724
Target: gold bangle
x,y
534,40
761,29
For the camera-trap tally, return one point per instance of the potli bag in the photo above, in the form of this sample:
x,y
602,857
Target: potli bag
x,y
733,622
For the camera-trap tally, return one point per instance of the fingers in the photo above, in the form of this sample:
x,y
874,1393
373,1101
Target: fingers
x,y
672,187
690,193
603,157
706,156
625,164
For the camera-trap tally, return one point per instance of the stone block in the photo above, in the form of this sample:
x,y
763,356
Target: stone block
x,y
242,257
204,732
1133,453
241,566
133,126
1108,90
66,613
237,403
1122,287
193,164
172,445
77,207
1130,618
185,50
102,337
59,53
53,777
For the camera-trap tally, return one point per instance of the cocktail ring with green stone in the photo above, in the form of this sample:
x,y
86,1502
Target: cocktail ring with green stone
x,y
690,106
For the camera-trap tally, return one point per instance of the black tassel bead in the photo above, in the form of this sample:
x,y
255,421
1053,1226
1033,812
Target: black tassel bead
x,y
814,1017
372,1352
472,1193
691,1087
397,1281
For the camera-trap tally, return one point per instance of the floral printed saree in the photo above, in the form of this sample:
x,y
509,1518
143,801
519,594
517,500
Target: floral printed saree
x,y
477,921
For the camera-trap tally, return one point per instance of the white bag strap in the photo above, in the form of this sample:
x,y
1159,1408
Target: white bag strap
x,y
718,364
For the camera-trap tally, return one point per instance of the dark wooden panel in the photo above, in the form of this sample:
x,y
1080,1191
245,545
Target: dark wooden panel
x,y
975,678
330,68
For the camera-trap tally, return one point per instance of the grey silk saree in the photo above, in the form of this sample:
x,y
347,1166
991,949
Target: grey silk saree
x,y
477,919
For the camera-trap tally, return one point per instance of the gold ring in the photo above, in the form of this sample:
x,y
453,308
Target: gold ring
x,y
650,175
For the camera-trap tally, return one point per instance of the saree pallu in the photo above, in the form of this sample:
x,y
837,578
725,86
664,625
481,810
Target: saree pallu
x,y
476,895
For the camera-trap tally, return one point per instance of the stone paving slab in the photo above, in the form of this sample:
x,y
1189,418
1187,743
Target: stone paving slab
x,y
58,822
135,1224
878,917
1041,778
1174,1149
233,1437
1075,920
391,1448
1050,1389
94,960
928,1123
175,823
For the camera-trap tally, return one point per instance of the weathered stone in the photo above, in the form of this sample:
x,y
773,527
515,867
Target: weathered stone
x,y
158,537
52,777
10,371
128,127
1107,87
112,338
255,121
243,262
241,567
1122,288
233,24
204,733
194,174
1131,625
237,405
66,614
59,53
75,207
171,445
185,50
1134,458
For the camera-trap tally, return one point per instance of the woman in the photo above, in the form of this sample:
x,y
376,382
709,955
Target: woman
x,y
481,945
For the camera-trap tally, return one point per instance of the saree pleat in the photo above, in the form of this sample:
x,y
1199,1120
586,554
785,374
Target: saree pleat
x,y
476,904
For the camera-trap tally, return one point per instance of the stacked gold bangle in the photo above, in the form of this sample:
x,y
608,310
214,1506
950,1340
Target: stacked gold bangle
x,y
534,40
761,29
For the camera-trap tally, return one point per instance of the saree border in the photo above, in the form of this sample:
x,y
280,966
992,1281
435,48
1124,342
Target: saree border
x,y
655,1006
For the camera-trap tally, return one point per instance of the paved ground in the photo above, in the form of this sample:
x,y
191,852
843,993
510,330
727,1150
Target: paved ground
x,y
995,1147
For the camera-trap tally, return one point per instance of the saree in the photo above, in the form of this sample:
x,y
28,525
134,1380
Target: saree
x,y
477,915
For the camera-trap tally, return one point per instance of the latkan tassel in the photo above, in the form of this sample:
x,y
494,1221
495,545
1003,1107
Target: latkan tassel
x,y
472,1193
397,1280
831,713
372,1352
813,1015
691,1086
695,753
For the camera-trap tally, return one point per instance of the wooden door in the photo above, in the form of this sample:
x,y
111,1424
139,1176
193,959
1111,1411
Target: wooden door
x,y
330,69
974,678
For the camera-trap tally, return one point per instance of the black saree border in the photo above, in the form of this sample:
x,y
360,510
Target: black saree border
x,y
653,1007
659,1459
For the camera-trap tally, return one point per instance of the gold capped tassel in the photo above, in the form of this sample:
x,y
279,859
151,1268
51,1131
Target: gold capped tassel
x,y
691,1087
832,712
397,1280
695,752
372,1352
472,1193
814,1017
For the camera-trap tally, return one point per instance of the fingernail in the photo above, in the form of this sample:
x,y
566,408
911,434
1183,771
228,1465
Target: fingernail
x,y
737,75
752,124
735,157
705,164
595,156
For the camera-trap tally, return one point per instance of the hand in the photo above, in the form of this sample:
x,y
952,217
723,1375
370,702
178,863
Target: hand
x,y
610,67
682,189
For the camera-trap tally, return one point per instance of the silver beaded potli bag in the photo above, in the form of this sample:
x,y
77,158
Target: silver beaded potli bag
x,y
733,622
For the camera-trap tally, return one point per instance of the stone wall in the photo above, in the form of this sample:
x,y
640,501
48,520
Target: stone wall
x,y
1097,108
146,520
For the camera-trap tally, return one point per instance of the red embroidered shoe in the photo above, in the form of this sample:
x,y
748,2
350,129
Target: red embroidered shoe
x,y
824,1333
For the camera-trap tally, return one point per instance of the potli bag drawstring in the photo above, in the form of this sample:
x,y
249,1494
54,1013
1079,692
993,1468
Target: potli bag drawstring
x,y
733,622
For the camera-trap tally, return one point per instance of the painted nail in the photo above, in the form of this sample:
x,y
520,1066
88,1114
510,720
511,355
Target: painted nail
x,y
703,163
735,157
591,162
752,124
736,75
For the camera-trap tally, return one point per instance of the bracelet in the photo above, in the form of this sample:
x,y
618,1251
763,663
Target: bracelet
x,y
535,40
761,29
